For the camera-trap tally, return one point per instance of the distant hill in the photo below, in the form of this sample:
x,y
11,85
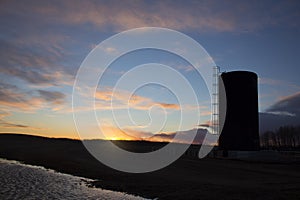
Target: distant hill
x,y
182,135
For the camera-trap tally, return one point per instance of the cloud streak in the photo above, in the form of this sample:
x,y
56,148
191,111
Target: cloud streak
x,y
13,98
199,16
274,82
37,65
135,101
6,124
56,98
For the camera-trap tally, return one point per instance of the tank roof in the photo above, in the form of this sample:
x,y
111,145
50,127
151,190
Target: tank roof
x,y
240,73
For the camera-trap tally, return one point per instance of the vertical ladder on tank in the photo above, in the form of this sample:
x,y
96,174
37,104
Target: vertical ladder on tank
x,y
215,101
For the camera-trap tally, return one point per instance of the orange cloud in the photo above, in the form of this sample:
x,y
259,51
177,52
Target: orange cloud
x,y
169,106
135,101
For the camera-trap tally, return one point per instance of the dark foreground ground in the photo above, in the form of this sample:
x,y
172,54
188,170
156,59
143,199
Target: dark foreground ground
x,y
187,178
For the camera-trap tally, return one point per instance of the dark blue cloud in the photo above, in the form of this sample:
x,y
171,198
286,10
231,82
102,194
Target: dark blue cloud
x,y
283,112
289,105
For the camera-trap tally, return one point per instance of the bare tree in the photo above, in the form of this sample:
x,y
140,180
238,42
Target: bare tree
x,y
284,137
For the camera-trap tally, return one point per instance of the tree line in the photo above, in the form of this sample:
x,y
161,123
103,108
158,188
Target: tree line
x,y
286,137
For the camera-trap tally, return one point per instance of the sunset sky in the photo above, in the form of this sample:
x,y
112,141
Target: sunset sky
x,y
43,44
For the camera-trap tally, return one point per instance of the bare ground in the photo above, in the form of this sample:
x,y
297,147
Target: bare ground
x,y
187,178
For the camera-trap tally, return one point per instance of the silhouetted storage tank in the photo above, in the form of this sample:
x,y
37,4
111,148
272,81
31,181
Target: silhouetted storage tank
x,y
240,130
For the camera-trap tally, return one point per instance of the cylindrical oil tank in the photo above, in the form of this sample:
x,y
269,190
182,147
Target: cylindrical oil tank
x,y
240,129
